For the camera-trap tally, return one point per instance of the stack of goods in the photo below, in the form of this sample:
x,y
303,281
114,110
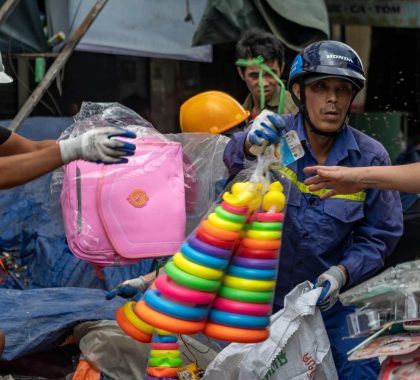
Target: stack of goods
x,y
165,357
241,310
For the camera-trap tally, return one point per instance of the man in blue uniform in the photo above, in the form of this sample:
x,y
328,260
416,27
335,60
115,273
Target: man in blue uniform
x,y
341,241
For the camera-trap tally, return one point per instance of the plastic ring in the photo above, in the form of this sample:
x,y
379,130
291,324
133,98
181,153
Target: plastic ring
x,y
195,269
165,362
238,320
171,289
238,307
209,239
160,331
223,224
162,372
203,259
263,235
128,309
234,334
267,226
245,295
165,353
229,216
261,244
252,273
173,309
246,284
164,338
260,254
148,377
209,249
129,329
164,346
189,280
254,263
178,326
238,210
270,217
218,232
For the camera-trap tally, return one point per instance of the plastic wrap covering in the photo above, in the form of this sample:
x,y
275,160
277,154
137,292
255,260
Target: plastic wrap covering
x,y
221,281
392,296
117,214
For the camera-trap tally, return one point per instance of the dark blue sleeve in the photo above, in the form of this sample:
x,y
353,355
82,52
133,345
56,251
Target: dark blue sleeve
x,y
4,134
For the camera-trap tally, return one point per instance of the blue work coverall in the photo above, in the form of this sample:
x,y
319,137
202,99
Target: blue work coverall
x,y
356,230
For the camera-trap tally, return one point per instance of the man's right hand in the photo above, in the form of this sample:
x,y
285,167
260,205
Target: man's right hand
x,y
266,129
98,145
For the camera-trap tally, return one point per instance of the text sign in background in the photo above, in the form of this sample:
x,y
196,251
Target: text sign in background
x,y
391,13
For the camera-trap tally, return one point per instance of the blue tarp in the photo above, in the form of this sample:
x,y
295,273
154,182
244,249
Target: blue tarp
x,y
31,230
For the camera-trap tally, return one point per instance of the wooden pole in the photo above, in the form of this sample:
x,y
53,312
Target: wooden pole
x,y
58,64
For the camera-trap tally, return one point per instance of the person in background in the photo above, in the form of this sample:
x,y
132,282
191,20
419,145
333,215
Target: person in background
x,y
259,51
23,160
340,242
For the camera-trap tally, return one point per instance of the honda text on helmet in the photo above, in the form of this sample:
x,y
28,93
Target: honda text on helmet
x,y
322,60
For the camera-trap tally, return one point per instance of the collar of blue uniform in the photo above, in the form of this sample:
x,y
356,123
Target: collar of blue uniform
x,y
291,175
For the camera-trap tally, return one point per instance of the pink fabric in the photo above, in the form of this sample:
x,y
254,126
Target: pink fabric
x,y
118,214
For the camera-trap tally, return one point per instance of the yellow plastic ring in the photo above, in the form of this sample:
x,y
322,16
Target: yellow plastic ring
x,y
163,332
195,269
165,353
129,313
263,235
247,284
217,221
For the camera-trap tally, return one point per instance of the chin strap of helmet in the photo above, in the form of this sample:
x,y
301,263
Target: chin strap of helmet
x,y
302,108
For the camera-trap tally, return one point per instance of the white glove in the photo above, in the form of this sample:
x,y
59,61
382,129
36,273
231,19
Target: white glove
x,y
266,129
139,283
98,145
331,281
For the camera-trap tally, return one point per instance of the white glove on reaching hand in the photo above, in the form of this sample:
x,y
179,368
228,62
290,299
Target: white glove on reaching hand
x,y
98,145
139,283
331,281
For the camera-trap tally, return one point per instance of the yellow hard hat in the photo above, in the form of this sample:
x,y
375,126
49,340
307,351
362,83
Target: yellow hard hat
x,y
211,112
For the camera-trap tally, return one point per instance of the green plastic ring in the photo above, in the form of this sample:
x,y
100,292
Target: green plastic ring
x,y
189,280
235,218
164,362
267,226
245,295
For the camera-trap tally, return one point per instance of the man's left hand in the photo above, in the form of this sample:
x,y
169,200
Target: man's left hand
x,y
133,288
331,281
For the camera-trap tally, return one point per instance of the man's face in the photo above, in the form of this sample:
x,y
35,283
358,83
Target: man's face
x,y
250,75
327,102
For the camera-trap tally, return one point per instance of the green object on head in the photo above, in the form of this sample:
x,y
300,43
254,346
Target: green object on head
x,y
259,61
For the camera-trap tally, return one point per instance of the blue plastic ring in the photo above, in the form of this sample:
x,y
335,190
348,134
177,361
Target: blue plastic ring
x,y
153,299
254,274
238,320
202,258
164,338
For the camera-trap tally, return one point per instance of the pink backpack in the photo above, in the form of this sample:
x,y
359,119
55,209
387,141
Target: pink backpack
x,y
118,214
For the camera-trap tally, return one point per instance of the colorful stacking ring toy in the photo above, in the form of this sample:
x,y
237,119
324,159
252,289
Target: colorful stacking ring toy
x,y
209,239
172,290
218,232
247,284
195,269
164,338
254,263
254,253
165,353
148,377
221,212
261,244
234,334
263,235
203,259
270,217
164,362
266,226
238,320
164,346
162,372
176,325
128,309
223,224
238,210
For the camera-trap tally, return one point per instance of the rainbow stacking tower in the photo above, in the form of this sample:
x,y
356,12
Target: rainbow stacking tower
x,y
165,358
222,279
241,310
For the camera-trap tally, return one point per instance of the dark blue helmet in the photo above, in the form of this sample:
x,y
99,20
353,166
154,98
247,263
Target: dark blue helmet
x,y
325,59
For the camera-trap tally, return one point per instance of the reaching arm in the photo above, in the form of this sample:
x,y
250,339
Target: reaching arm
x,y
344,180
